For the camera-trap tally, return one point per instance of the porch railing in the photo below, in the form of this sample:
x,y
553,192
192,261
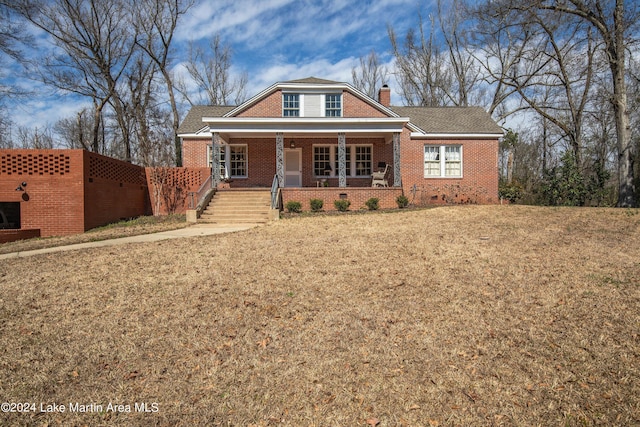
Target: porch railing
x,y
276,195
198,200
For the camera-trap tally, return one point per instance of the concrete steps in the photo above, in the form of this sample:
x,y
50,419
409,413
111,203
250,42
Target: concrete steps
x,y
238,207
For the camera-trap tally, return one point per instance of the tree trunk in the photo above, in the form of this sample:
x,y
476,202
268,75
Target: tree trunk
x,y
616,51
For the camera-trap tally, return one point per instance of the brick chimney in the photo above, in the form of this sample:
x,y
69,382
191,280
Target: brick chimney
x,y
384,96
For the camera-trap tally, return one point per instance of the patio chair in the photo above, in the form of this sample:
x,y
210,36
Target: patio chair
x,y
379,176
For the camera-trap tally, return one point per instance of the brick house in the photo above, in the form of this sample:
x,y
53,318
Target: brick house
x,y
316,138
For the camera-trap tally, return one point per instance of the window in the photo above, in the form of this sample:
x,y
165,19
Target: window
x,y
333,105
321,161
363,160
237,160
233,160
290,105
442,161
358,160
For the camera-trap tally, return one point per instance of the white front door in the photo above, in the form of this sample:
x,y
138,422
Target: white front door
x,y
293,167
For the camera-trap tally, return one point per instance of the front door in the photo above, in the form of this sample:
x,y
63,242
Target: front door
x,y
293,168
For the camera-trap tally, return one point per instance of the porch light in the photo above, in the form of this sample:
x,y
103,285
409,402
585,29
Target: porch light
x,y
327,169
21,186
292,144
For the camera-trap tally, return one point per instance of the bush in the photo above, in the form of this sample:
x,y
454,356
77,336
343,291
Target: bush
x,y
342,205
293,207
372,204
511,192
316,204
402,201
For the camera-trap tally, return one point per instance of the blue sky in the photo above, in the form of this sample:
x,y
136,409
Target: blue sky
x,y
273,40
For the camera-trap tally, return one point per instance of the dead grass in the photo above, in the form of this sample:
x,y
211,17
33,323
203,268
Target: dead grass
x,y
452,316
133,227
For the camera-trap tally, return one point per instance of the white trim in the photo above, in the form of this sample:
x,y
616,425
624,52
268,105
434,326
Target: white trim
x,y
418,135
305,124
333,150
443,161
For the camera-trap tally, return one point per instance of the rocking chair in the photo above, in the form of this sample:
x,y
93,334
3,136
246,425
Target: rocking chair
x,y
378,177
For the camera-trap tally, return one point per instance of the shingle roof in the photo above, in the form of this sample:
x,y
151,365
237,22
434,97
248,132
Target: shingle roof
x,y
313,80
193,122
447,120
450,119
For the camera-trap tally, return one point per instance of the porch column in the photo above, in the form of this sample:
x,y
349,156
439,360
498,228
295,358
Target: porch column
x,y
215,160
397,181
342,159
280,158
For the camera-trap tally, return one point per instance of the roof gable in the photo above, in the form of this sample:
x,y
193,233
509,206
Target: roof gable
x,y
309,84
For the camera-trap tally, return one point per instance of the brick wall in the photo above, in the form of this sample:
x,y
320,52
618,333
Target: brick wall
x,y
169,188
271,106
13,235
194,152
70,191
355,107
479,182
113,190
53,198
357,196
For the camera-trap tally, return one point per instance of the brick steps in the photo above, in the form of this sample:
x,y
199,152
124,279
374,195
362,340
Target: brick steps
x,y
238,207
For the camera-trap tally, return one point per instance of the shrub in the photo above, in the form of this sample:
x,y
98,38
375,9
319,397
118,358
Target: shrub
x,y
511,192
342,204
293,207
372,204
402,201
316,204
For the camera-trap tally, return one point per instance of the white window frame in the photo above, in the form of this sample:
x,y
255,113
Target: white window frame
x,y
442,160
291,109
225,153
351,159
327,109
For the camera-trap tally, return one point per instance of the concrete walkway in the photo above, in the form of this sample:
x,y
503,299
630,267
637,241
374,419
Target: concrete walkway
x,y
193,231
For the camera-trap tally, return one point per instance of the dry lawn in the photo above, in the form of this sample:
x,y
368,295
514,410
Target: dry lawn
x,y
134,227
459,316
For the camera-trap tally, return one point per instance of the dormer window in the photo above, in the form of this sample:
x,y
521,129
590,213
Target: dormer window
x,y
311,104
333,105
290,105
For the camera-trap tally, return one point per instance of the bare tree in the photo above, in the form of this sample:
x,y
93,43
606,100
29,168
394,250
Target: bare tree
x,y
210,72
613,22
94,45
421,68
35,138
436,67
371,75
554,73
157,21
75,132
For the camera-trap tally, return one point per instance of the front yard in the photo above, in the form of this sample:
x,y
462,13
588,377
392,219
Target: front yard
x,y
474,315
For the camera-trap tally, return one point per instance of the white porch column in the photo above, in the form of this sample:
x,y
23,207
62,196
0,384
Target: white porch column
x,y
342,159
280,158
215,160
397,181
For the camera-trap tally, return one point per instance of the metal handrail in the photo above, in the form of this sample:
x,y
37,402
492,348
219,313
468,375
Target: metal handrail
x,y
199,199
275,193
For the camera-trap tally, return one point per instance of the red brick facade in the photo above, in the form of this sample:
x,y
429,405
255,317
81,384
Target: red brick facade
x,y
478,184
356,196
